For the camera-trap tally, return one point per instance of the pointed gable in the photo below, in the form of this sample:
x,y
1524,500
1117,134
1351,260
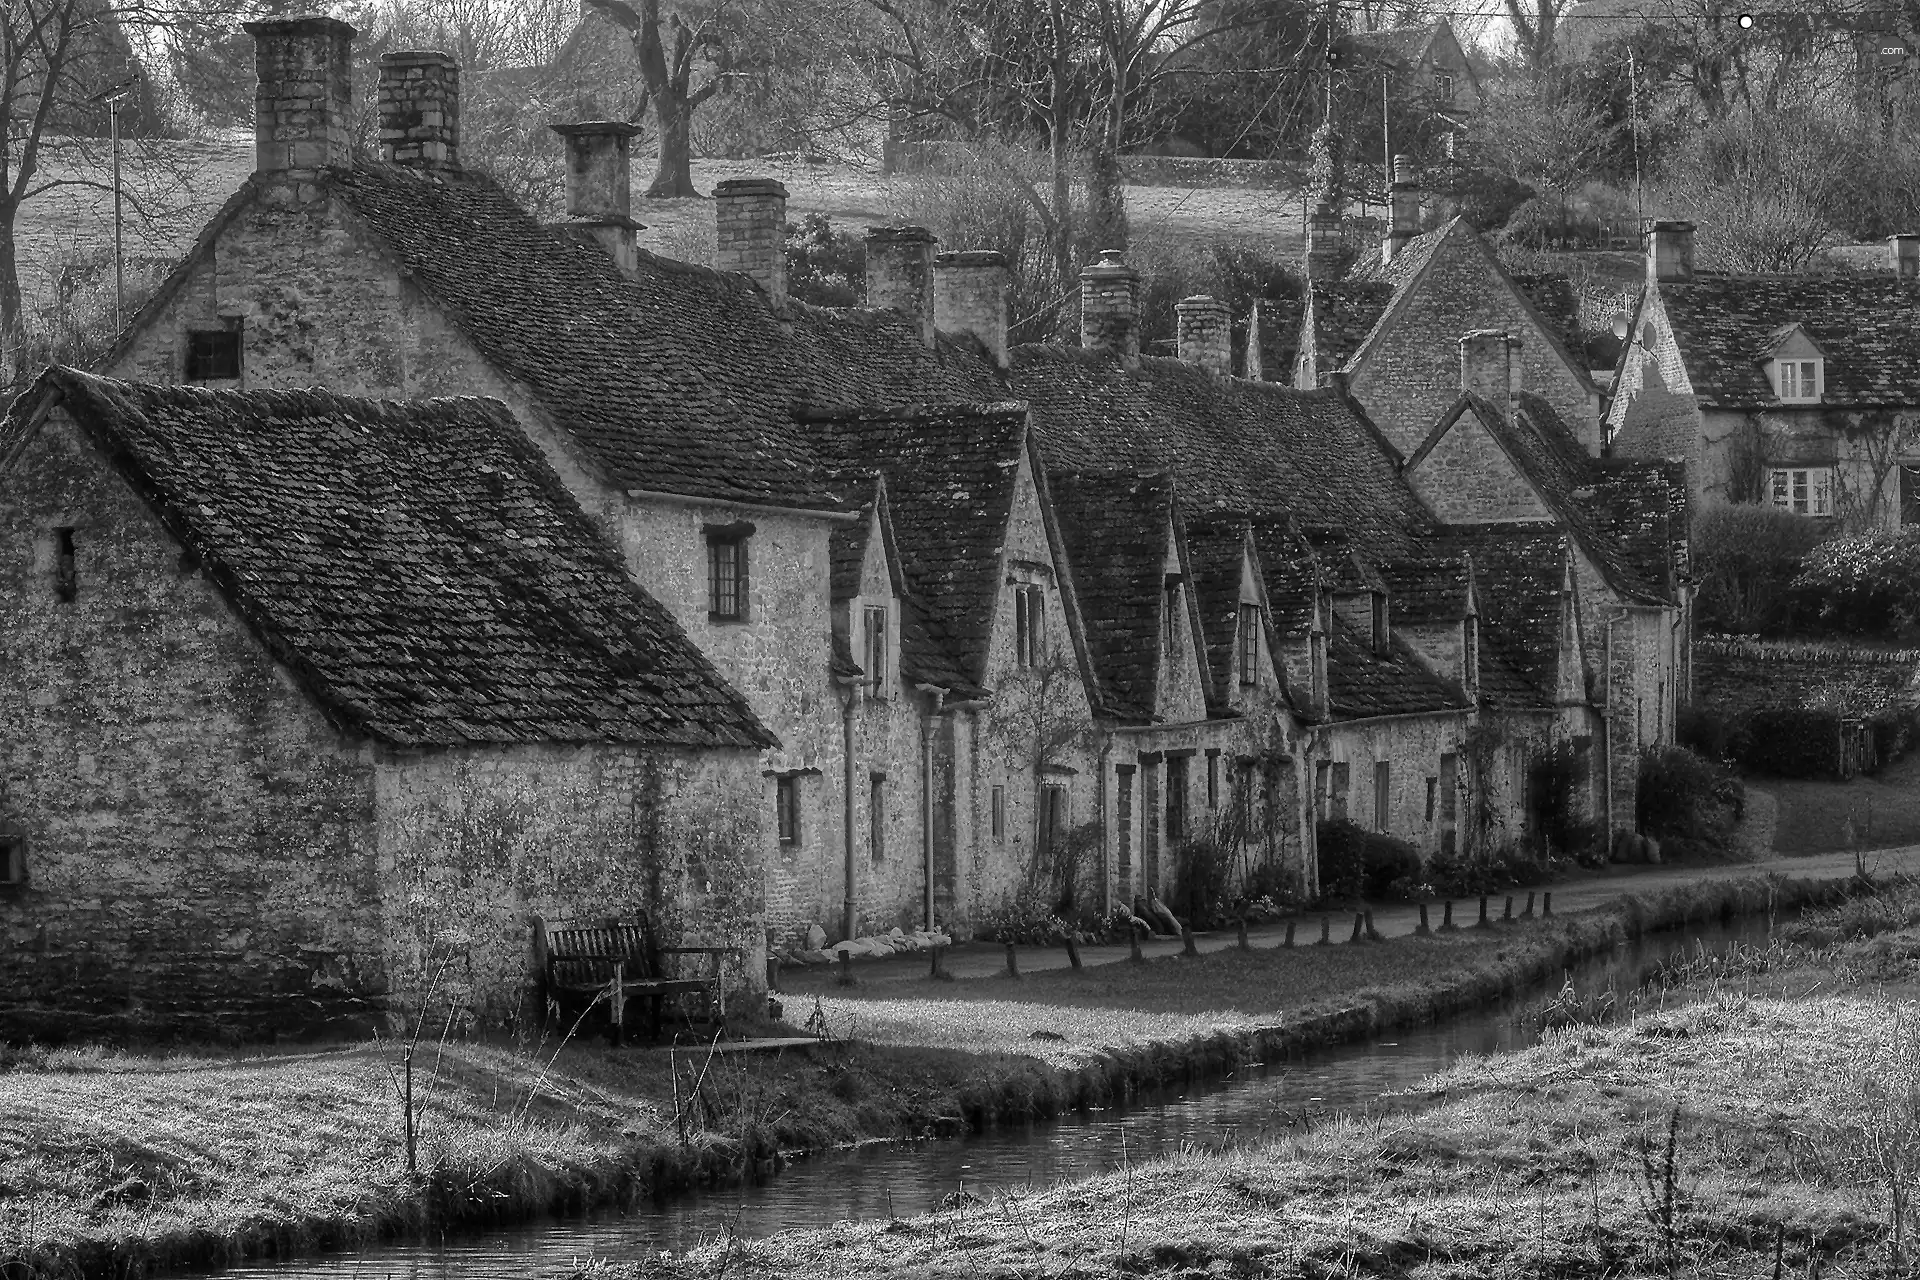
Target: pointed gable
x,y
1218,548
1116,528
1465,473
1520,573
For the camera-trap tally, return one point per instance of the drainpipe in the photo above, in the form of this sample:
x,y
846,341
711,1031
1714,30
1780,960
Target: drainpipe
x,y
936,698
846,734
1606,733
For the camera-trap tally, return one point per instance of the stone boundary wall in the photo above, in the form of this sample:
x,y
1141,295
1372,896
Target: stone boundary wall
x,y
1736,677
1200,171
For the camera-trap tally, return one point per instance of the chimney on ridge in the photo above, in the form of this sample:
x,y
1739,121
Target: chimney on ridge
x,y
900,274
1110,307
304,100
420,110
1405,202
749,217
1255,363
1486,366
1906,255
600,187
1670,251
970,296
1323,244
1204,333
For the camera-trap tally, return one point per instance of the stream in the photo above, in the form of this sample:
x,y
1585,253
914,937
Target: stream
x,y
884,1179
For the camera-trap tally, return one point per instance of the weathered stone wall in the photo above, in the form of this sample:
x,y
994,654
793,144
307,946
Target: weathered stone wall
x,y
1412,747
199,838
1469,479
1738,677
1654,413
475,843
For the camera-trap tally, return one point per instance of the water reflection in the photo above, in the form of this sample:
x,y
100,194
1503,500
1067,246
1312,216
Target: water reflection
x,y
882,1180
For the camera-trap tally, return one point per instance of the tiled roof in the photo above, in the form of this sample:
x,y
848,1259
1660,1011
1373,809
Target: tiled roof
x,y
1429,589
417,564
1115,527
1230,444
1405,44
1342,567
1344,313
1552,295
1406,264
1868,325
1518,573
1361,683
847,542
950,473
679,380
1291,573
1217,549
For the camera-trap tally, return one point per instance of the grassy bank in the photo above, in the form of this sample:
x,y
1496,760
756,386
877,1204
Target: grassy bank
x,y
1744,1129
108,1159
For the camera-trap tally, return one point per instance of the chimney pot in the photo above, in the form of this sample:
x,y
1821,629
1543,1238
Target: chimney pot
x,y
900,274
1670,251
1110,307
1487,366
1906,255
420,110
303,101
600,188
970,297
750,217
1204,333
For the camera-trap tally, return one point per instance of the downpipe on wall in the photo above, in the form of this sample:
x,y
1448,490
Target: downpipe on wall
x,y
936,699
851,690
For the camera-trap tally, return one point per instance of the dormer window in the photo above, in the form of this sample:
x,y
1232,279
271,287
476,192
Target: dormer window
x,y
1443,86
213,355
1249,645
876,652
1798,381
1029,624
1805,491
1380,622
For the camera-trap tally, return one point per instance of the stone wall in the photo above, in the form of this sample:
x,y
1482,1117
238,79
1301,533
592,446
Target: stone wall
x,y
1735,678
1469,479
199,851
1411,746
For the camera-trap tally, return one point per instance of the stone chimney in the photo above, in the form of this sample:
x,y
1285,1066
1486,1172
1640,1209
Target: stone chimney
x,y
1405,203
420,110
600,187
970,297
1110,307
1323,244
303,104
1906,255
1204,333
900,274
1255,363
750,215
1670,251
1486,366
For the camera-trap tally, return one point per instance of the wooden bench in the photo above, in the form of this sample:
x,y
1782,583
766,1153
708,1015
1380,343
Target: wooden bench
x,y
617,959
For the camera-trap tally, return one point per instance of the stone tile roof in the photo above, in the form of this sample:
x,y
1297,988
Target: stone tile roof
x,y
1229,444
1552,295
1403,44
1518,572
1362,683
1640,506
1406,265
1291,573
1115,526
1343,569
847,543
950,472
1428,589
1217,549
1344,313
681,380
1868,325
416,564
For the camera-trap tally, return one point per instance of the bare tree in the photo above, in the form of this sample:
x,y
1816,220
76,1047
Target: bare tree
x,y
1536,24
684,60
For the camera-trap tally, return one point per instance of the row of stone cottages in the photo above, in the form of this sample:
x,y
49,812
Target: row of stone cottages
x,y
906,625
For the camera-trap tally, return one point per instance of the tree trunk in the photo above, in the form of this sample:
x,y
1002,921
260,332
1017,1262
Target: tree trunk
x,y
13,371
674,177
1106,185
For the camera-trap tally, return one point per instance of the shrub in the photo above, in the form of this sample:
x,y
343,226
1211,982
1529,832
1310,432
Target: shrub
x,y
1703,732
825,267
1894,731
1793,742
1203,866
1746,557
1355,862
1023,919
1867,583
1688,803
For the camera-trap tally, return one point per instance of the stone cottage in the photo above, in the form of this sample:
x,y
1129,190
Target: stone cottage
x,y
1795,390
318,701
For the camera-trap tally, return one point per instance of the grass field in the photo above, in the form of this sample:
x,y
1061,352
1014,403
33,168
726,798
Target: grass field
x,y
1866,813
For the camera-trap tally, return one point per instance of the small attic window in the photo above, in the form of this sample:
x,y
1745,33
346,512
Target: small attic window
x,y
1380,622
1442,86
66,577
13,864
1798,381
213,355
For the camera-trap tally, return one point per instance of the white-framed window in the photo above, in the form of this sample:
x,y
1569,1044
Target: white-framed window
x,y
1797,380
1805,491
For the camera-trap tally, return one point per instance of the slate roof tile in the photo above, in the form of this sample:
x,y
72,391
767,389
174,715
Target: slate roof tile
x,y
417,564
1217,550
1115,526
1362,683
1344,313
1518,572
1426,590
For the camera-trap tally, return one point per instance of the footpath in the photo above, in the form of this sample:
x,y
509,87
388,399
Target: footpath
x,y
972,960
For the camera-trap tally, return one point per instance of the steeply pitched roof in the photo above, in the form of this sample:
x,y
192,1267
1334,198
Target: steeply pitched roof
x,y
1867,324
1427,590
1406,264
1552,295
1362,683
1406,45
1518,571
1115,526
1217,550
1344,313
1291,573
417,564
950,474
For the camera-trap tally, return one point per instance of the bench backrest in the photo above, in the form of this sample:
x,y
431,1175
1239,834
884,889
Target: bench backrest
x,y
583,953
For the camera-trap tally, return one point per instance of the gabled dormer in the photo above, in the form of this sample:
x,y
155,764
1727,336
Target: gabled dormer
x,y
1796,365
868,596
1181,693
1571,679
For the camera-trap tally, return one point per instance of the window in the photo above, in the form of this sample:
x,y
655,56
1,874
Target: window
x,y
66,579
1170,614
1380,622
1433,792
999,813
1341,778
786,799
1123,821
213,355
1249,644
877,816
13,864
1029,625
1176,798
1470,651
1449,786
727,573
876,652
1805,491
1213,777
1909,493
1052,834
1797,379
1382,795
1443,87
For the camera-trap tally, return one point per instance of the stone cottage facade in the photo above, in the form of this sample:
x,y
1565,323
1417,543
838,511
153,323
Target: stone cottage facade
x,y
1798,391
319,702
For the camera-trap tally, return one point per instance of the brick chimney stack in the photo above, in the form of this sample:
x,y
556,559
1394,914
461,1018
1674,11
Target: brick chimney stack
x,y
420,110
1405,203
1110,307
303,103
1323,244
749,214
1487,366
1204,333
600,187
1670,251
970,297
900,274
1906,255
